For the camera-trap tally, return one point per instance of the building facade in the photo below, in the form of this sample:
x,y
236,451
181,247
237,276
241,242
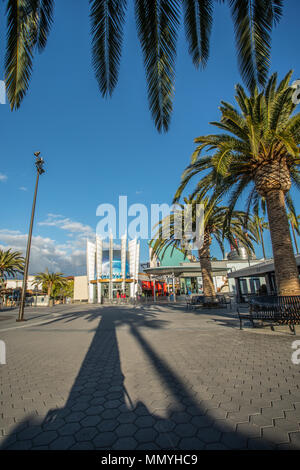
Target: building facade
x,y
111,272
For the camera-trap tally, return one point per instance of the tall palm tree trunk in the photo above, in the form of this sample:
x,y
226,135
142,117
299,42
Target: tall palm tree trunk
x,y
286,271
206,269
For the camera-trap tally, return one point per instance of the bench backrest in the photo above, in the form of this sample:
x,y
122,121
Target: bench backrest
x,y
277,307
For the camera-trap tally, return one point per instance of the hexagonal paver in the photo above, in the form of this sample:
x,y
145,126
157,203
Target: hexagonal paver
x,y
234,440
125,443
148,446
185,430
110,404
69,429
99,393
104,440
167,440
20,445
127,417
141,410
191,443
209,435
116,388
144,421
110,414
97,401
216,446
181,417
146,435
201,421
29,433
81,406
126,430
94,410
62,443
45,438
86,434
115,396
90,421
83,446
54,425
108,425
74,417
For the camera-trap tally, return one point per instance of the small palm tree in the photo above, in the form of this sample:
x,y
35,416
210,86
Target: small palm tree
x,y
11,263
65,290
50,281
158,23
261,225
214,226
258,151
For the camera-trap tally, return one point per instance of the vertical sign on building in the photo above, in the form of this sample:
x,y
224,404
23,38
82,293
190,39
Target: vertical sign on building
x,y
90,264
111,256
99,248
123,260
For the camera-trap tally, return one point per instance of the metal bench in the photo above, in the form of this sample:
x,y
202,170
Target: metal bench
x,y
198,301
194,301
280,310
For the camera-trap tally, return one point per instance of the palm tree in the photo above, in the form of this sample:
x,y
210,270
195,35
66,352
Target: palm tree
x,y
258,151
29,23
214,226
50,281
65,290
11,263
261,225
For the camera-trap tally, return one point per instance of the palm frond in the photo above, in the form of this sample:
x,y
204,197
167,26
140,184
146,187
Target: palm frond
x,y
253,23
107,21
198,23
157,26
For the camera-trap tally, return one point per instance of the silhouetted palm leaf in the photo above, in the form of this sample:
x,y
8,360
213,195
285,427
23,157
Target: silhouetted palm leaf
x,y
107,19
28,24
157,22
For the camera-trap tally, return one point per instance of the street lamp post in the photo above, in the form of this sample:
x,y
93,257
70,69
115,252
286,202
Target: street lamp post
x,y
39,167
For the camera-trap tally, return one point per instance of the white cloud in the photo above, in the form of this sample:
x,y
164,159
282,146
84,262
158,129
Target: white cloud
x,y
22,188
55,220
68,257
3,177
46,253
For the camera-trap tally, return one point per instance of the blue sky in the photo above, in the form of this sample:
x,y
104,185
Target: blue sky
x,y
97,149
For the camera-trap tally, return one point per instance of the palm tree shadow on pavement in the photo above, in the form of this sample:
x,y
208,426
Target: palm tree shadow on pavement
x,y
99,413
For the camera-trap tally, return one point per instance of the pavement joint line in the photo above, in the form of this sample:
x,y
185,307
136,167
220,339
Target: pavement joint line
x,y
26,326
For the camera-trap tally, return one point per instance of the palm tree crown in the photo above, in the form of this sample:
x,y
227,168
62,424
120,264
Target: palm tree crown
x,y
240,230
11,263
158,22
49,281
258,151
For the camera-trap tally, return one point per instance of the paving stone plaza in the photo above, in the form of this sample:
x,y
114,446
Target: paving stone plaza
x,y
150,377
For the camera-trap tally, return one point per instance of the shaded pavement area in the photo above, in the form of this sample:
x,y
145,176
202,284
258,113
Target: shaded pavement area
x,y
150,377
